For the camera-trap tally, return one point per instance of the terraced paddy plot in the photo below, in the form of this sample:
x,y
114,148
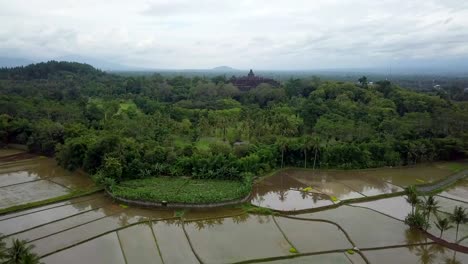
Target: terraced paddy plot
x,y
330,258
447,205
4,152
396,207
87,231
413,175
368,229
35,180
50,206
368,186
173,243
19,165
458,192
311,236
281,191
416,254
195,214
288,200
283,180
323,181
13,224
139,244
10,176
104,249
237,239
29,192
66,223
42,168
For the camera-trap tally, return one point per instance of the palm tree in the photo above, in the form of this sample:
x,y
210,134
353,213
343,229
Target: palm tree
x,y
430,206
412,197
31,258
2,249
307,143
316,144
20,252
283,144
459,216
443,225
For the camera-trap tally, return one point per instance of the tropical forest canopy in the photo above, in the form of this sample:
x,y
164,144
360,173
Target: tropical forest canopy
x,y
124,127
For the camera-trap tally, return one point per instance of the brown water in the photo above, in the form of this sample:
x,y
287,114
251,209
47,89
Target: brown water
x,y
412,175
29,192
459,191
236,239
139,244
94,229
287,200
215,240
344,184
396,207
330,258
282,191
35,180
367,228
308,236
173,243
425,254
105,249
9,151
45,216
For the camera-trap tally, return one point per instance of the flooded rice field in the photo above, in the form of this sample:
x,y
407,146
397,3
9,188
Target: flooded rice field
x,y
35,179
99,231
299,189
459,191
95,229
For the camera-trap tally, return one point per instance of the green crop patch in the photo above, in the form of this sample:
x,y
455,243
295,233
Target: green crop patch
x,y
180,190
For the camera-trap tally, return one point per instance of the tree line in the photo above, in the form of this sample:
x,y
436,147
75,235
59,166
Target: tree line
x,y
126,127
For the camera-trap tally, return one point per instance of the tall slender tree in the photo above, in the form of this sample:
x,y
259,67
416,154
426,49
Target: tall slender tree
x,y
459,216
20,253
307,144
443,224
412,197
430,206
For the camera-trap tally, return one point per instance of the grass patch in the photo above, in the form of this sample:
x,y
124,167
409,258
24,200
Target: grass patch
x,y
179,213
293,250
251,209
350,251
71,195
180,190
456,167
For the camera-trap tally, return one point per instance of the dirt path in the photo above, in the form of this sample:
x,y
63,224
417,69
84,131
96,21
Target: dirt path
x,y
443,183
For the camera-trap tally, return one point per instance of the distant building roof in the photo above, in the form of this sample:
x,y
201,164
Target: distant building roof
x,y
246,83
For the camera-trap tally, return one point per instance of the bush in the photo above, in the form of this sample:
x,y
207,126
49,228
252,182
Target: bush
x,y
417,220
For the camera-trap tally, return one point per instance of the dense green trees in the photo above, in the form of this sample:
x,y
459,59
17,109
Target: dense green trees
x,y
134,127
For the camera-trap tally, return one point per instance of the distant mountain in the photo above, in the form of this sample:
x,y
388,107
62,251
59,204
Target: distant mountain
x,y
14,62
224,69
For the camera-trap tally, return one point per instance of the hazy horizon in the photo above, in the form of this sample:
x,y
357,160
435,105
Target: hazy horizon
x,y
268,35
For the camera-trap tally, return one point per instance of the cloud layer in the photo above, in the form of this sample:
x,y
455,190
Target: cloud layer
x,y
273,34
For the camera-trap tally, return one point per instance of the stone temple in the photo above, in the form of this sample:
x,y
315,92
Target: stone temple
x,y
246,83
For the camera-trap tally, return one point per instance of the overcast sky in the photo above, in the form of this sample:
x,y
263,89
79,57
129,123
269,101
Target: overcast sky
x,y
261,34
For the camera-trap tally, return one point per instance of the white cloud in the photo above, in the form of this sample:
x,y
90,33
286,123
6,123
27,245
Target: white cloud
x,y
274,34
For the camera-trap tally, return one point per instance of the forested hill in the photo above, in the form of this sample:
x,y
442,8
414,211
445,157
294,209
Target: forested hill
x,y
44,70
133,127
